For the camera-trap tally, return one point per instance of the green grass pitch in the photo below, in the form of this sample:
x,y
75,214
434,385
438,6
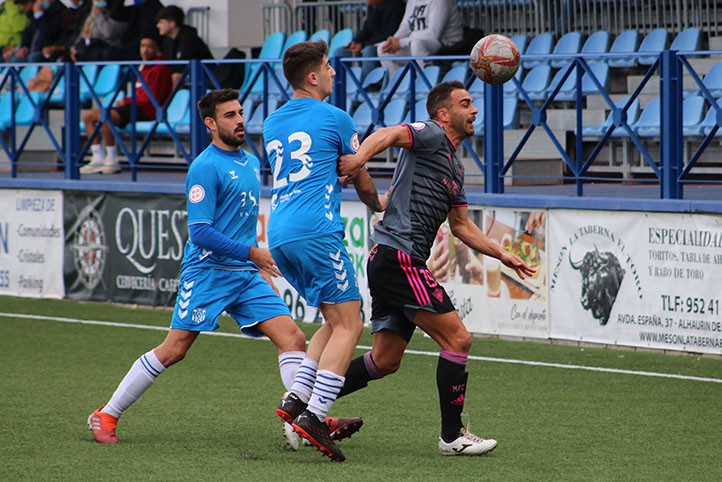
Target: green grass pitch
x,y
211,417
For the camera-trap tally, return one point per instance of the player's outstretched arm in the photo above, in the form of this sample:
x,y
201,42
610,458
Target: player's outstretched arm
x,y
468,232
366,190
379,141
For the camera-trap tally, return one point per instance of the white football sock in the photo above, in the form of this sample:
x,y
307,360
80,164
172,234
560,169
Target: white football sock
x,y
97,150
138,379
288,363
305,379
328,385
112,153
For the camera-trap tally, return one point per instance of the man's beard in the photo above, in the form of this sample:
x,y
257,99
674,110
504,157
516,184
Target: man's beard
x,y
231,139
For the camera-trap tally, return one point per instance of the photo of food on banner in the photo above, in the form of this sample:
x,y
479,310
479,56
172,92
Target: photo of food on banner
x,y
519,232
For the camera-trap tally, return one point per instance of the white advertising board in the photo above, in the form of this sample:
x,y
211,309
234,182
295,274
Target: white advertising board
x,y
491,298
31,243
637,279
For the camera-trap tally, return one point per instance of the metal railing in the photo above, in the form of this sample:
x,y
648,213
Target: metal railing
x,y
509,17
670,160
199,17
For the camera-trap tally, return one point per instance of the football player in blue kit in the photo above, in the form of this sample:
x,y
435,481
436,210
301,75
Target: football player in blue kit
x,y
304,139
427,188
223,269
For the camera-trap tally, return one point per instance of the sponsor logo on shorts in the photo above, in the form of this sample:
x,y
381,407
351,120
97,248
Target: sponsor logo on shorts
x,y
199,315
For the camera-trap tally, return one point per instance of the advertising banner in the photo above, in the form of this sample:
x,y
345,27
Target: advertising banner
x,y
124,247
31,243
355,218
637,279
491,298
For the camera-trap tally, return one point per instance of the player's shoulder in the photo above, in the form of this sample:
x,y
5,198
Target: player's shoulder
x,y
426,127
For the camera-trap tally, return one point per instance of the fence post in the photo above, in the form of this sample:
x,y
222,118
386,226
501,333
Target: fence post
x,y
493,139
339,88
72,121
199,136
671,139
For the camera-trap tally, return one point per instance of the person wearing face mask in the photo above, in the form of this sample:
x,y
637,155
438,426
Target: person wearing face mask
x,y
73,20
99,32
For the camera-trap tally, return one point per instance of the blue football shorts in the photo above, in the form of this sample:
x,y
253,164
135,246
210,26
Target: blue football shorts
x,y
206,293
319,269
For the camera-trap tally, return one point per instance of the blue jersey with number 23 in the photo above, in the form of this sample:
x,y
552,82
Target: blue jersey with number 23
x,y
304,140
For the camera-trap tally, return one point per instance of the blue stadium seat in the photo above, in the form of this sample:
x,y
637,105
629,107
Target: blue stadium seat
x,y
351,87
536,81
626,44
272,48
420,114
654,42
107,80
709,121
510,116
401,91
295,37
395,112
692,114
323,34
540,45
177,111
91,74
712,81
456,73
510,88
254,124
596,43
476,89
569,43
363,117
341,39
599,130
432,73
649,120
688,40
520,40
374,82
568,91
278,92
28,72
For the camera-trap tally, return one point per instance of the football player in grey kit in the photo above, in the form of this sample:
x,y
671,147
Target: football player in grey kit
x,y
427,187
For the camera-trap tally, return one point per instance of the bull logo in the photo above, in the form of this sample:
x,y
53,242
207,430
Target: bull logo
x,y
602,276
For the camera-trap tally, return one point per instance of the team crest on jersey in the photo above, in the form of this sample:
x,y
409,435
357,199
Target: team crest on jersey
x,y
355,144
196,193
233,174
418,125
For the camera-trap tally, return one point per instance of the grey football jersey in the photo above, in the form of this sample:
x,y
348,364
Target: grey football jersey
x,y
427,183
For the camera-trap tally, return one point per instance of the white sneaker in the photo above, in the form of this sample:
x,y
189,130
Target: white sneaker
x,y
93,167
292,438
467,444
110,166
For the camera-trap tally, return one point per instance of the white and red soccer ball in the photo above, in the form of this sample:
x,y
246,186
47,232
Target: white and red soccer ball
x,y
494,59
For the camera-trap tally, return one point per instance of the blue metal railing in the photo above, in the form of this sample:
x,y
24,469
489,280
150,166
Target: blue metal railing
x,y
671,171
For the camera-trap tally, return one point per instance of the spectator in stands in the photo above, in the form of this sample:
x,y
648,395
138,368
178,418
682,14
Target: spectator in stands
x,y
47,25
382,20
73,21
179,41
99,33
140,17
427,26
13,22
158,78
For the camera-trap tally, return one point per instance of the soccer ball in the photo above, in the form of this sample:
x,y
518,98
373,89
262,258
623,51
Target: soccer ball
x,y
494,59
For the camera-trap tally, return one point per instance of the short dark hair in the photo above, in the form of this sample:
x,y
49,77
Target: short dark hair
x,y
154,36
302,58
208,103
171,13
440,96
